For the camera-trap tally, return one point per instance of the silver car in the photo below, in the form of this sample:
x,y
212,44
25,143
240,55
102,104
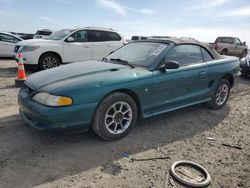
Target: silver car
x,y
7,44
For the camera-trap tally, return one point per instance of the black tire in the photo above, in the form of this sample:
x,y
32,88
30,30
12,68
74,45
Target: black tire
x,y
213,103
100,119
243,54
243,74
48,61
224,52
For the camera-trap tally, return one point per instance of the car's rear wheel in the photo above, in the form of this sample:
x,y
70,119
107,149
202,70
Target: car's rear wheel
x,y
115,116
48,61
220,95
224,52
243,54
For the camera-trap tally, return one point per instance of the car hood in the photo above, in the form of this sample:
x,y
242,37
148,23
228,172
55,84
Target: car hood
x,y
86,74
34,41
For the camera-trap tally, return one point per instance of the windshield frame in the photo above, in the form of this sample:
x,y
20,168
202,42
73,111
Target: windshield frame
x,y
152,64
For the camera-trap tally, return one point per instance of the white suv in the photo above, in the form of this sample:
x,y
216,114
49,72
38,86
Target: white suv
x,y
66,46
42,34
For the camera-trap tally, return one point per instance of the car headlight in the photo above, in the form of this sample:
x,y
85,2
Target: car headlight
x,y
52,100
28,48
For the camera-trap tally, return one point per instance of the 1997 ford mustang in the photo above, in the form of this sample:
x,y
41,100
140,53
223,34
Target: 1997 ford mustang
x,y
141,79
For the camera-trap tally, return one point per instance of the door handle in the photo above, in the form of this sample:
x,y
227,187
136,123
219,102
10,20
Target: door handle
x,y
86,46
109,45
202,74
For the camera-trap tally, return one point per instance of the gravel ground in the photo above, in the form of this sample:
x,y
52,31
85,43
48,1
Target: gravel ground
x,y
29,158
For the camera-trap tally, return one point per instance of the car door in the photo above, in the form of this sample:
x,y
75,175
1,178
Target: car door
x,y
8,43
185,85
80,49
232,47
101,44
115,41
239,46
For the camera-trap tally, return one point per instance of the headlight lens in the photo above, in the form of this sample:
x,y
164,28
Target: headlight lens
x,y
52,100
28,48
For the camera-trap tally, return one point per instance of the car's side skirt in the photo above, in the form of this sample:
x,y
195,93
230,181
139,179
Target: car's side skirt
x,y
154,113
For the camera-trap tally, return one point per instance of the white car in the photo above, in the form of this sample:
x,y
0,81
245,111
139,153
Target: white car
x,y
7,44
66,46
42,34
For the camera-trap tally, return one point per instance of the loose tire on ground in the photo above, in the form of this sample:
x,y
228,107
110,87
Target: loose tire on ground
x,y
109,111
48,61
214,104
191,183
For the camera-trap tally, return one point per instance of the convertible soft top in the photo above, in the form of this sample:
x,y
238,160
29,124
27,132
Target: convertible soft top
x,y
187,40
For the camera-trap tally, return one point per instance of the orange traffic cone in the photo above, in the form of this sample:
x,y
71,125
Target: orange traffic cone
x,y
21,76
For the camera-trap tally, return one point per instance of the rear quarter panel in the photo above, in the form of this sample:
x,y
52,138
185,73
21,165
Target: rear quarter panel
x,y
220,68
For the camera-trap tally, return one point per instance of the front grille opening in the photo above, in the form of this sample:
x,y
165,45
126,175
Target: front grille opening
x,y
16,48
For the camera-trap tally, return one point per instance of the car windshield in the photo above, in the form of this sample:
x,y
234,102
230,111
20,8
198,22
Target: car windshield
x,y
58,35
46,33
138,54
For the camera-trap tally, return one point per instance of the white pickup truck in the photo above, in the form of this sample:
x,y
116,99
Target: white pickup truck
x,y
230,46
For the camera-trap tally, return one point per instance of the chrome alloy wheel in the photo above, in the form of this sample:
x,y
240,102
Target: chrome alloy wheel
x,y
222,94
50,62
118,117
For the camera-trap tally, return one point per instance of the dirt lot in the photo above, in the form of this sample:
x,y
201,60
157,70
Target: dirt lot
x,y
29,158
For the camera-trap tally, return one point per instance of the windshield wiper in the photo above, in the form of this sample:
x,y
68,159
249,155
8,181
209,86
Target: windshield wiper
x,y
123,62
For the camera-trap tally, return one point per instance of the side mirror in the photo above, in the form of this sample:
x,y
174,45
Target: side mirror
x,y
70,39
244,43
169,65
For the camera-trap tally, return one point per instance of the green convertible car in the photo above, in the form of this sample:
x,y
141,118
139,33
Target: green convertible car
x,y
141,79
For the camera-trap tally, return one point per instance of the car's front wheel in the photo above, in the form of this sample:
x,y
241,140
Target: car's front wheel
x,y
48,61
115,116
220,95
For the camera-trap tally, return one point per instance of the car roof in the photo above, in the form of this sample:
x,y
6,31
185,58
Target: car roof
x,y
227,37
187,40
95,28
8,33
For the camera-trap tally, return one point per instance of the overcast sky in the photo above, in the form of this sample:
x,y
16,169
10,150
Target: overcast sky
x,y
202,19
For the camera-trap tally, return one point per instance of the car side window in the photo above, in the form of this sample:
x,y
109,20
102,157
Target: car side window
x,y
8,38
206,55
238,42
185,54
113,36
97,36
80,36
228,40
218,40
135,38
